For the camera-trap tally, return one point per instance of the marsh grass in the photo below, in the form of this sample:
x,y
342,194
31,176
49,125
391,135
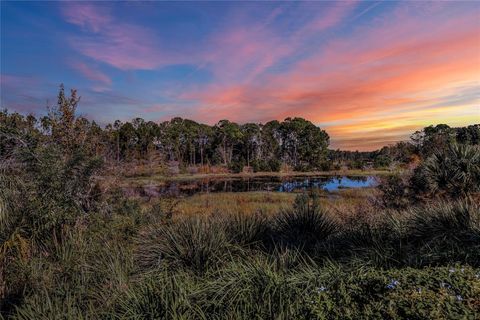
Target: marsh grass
x,y
305,225
235,203
195,243
305,262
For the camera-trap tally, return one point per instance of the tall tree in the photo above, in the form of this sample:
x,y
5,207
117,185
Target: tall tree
x,y
251,134
228,134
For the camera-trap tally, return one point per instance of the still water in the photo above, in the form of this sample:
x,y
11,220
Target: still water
x,y
274,184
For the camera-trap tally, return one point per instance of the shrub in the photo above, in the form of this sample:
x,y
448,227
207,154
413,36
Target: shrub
x,y
44,305
54,191
377,242
433,293
455,221
395,190
270,165
454,171
253,289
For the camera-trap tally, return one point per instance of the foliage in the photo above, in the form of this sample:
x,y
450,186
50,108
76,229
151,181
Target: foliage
x,y
305,225
296,142
396,190
194,243
433,293
452,172
446,231
455,171
69,250
247,230
47,184
230,266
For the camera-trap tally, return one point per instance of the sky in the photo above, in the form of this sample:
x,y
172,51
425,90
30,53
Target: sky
x,y
370,73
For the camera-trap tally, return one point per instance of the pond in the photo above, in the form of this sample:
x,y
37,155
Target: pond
x,y
274,184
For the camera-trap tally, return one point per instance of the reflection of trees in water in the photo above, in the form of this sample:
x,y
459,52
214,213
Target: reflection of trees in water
x,y
279,184
358,178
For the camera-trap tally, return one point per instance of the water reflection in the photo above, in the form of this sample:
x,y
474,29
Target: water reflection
x,y
275,184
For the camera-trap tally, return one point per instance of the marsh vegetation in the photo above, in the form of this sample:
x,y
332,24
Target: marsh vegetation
x,y
75,246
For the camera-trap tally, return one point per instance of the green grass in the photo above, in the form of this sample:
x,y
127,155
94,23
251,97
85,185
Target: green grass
x,y
310,260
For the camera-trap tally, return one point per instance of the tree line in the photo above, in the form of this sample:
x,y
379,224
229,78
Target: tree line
x,y
422,144
295,143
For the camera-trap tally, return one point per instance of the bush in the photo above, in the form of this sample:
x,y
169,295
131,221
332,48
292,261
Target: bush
x,y
271,165
47,306
54,191
379,241
382,161
434,293
457,221
163,296
395,191
325,165
236,166
194,268
454,171
253,289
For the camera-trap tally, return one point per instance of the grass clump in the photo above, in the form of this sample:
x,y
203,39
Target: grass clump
x,y
446,232
305,225
164,295
248,230
195,243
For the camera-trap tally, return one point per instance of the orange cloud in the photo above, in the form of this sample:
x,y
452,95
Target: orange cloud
x,y
394,70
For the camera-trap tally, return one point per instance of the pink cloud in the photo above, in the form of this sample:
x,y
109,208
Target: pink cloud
x,y
330,17
122,45
402,64
91,73
90,17
23,93
390,65
8,80
241,50
245,51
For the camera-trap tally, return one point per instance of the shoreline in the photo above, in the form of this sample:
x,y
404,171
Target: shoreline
x,y
200,176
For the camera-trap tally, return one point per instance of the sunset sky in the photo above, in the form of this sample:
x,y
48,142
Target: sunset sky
x,y
369,73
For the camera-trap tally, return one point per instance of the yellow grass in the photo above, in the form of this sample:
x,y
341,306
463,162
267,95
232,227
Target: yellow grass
x,y
267,202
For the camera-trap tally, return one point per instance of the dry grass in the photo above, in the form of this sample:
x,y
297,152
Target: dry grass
x,y
244,202
346,200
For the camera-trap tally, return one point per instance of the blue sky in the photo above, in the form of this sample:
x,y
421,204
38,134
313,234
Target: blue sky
x,y
368,72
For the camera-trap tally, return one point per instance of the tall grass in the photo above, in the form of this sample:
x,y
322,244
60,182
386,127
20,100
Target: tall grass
x,y
195,243
447,232
305,225
247,230
302,263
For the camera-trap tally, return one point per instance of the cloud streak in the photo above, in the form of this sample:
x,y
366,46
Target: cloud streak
x,y
376,70
122,45
92,73
400,64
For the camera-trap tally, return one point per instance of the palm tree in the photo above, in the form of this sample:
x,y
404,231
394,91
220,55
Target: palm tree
x,y
455,170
